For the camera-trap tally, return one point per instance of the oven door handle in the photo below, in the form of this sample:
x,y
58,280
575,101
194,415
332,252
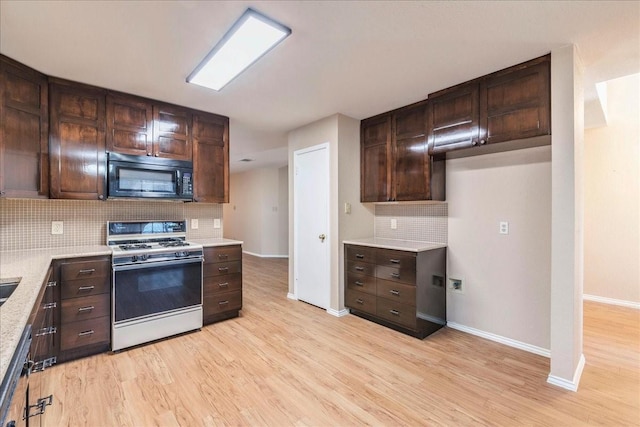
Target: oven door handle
x,y
176,261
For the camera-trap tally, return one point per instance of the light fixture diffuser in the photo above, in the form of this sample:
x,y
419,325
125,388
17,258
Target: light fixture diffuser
x,y
248,40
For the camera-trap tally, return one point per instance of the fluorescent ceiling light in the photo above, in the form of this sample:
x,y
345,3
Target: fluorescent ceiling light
x,y
249,38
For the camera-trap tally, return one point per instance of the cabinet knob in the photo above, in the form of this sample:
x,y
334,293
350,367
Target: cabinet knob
x,y
483,141
156,154
101,197
148,154
474,142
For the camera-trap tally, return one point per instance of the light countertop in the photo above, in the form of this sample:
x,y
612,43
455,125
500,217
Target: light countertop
x,y
32,267
400,245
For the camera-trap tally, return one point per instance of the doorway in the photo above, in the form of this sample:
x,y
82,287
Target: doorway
x,y
311,242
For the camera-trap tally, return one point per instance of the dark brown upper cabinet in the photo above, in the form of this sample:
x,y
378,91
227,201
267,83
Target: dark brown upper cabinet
x,y
511,104
129,125
24,131
210,158
77,140
395,164
171,127
375,159
141,127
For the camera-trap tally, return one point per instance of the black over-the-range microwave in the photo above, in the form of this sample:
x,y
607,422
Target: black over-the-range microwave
x,y
148,177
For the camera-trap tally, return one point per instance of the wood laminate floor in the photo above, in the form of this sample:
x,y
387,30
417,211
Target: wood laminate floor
x,y
285,363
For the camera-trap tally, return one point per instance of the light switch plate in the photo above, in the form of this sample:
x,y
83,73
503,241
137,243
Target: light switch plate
x,y
216,223
394,224
194,224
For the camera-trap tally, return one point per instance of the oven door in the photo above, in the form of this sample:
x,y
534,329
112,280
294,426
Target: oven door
x,y
145,290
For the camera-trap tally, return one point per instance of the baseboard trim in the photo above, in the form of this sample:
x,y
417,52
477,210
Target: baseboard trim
x,y
500,339
338,313
292,296
612,301
265,256
566,384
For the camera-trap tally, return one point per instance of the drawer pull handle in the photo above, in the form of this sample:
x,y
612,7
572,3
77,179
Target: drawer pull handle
x,y
359,268
223,303
394,292
49,305
52,284
85,333
223,285
360,256
394,261
395,275
46,331
223,256
221,269
360,301
394,312
358,283
87,308
86,288
88,271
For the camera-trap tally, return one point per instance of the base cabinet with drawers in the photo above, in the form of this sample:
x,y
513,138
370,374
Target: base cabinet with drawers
x,y
221,283
85,306
403,290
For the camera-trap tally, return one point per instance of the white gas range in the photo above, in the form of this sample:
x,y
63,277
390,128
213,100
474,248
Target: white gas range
x,y
157,281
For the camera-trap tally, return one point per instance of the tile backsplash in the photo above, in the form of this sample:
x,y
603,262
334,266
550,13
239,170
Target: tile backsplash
x,y
26,223
417,222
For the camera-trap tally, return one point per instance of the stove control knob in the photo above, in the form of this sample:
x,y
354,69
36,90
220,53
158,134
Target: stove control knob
x,y
134,258
181,254
143,257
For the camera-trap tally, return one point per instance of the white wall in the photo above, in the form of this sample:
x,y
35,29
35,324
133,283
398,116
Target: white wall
x,y
612,197
256,211
342,134
506,278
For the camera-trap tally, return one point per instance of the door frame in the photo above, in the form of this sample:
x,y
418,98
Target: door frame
x,y
328,240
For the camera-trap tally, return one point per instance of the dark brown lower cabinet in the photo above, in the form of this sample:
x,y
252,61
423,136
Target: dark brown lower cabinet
x,y
85,306
222,283
402,290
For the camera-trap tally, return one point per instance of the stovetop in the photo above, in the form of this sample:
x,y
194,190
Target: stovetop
x,y
147,237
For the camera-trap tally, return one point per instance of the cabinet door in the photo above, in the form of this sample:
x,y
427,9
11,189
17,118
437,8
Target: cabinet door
x,y
515,103
375,152
171,128
453,118
129,125
210,158
77,142
411,173
24,131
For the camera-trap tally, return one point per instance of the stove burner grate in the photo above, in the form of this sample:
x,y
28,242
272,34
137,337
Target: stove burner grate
x,y
131,247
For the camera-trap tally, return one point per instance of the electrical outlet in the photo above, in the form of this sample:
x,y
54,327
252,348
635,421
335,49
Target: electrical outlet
x,y
456,285
216,223
504,227
57,227
194,224
394,223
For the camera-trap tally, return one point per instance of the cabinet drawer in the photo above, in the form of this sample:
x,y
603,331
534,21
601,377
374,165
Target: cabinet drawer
x,y
396,259
77,309
85,332
361,253
85,287
84,270
362,283
221,268
222,253
397,312
361,301
221,302
402,275
218,284
394,291
362,268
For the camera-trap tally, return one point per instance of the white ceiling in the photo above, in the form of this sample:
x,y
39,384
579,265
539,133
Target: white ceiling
x,y
353,57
